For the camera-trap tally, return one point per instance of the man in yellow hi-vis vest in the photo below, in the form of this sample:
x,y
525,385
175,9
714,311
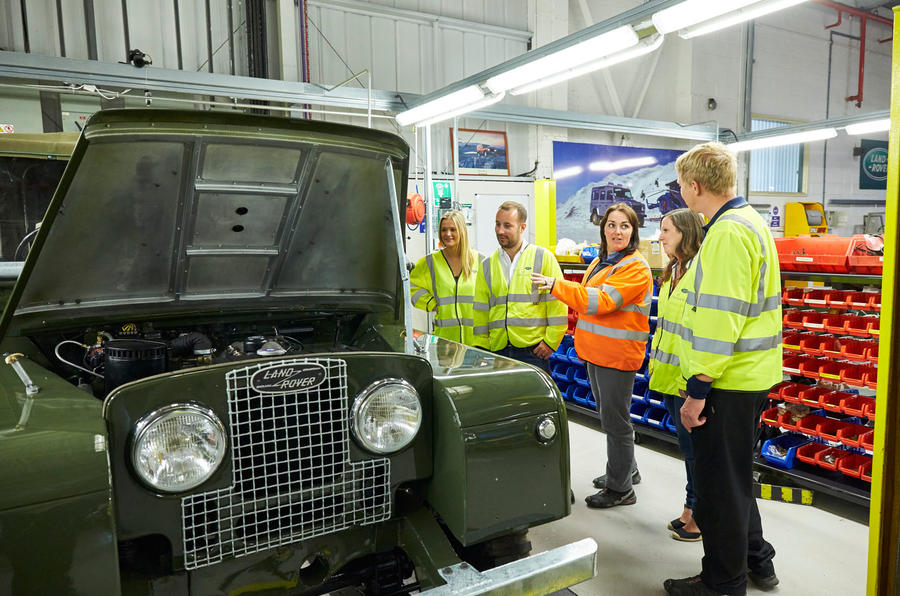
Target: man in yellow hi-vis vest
x,y
729,348
511,318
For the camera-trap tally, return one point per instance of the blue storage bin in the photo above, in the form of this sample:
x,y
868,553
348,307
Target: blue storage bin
x,y
562,386
580,395
557,357
589,253
580,376
654,306
563,371
656,417
788,441
652,325
638,411
655,399
572,355
570,392
639,389
670,424
567,342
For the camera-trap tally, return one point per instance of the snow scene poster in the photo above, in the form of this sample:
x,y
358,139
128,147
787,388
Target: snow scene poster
x,y
590,178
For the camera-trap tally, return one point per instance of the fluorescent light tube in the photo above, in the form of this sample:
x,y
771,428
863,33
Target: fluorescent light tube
x,y
862,128
622,164
739,16
567,172
575,55
481,103
644,47
440,105
796,138
691,12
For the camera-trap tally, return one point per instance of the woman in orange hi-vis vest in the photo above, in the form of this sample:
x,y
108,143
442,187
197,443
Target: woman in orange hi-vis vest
x,y
613,306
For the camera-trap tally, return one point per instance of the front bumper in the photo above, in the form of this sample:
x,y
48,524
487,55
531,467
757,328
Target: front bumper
x,y
538,574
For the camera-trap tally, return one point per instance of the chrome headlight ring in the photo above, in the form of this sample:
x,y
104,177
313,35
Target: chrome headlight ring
x,y
386,416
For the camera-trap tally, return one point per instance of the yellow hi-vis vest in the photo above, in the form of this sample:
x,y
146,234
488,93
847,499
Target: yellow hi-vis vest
x,y
730,329
665,366
514,313
433,288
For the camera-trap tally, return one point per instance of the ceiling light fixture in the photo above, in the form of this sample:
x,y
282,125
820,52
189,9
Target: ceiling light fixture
x,y
747,13
481,103
645,46
622,164
573,56
819,134
869,126
441,105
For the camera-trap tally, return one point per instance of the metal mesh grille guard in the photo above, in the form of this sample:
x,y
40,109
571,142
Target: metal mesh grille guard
x,y
292,474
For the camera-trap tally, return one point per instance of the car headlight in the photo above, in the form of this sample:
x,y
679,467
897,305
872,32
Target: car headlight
x,y
178,447
386,416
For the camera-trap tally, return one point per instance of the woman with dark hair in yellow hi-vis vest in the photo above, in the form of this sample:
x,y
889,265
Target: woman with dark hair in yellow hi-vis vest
x,y
444,281
613,306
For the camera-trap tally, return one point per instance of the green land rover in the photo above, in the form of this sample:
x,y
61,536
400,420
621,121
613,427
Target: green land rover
x,y
211,384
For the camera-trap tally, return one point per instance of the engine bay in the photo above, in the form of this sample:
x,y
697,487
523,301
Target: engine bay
x,y
99,359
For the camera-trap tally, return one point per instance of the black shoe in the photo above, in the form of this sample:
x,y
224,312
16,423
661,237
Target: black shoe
x,y
600,481
688,586
683,535
675,524
572,496
610,498
763,582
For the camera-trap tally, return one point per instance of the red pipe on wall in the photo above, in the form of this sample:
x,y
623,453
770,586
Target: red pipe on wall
x,y
863,18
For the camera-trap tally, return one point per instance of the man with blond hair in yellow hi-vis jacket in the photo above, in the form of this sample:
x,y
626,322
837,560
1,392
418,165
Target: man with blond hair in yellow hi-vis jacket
x,y
511,318
729,349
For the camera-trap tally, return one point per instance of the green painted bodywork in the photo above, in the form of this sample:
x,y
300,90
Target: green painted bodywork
x,y
71,508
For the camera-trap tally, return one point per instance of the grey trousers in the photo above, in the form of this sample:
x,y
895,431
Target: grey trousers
x,y
612,392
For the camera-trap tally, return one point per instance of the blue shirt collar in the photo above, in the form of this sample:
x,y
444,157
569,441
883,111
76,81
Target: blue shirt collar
x,y
732,204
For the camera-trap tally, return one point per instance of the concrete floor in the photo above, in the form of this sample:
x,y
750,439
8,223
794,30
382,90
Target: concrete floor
x,y
821,549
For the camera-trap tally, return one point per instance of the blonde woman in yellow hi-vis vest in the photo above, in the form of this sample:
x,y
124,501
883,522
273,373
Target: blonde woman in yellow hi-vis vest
x,y
680,233
444,281
511,318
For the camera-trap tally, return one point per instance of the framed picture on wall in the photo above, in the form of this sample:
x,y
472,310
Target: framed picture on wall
x,y
481,152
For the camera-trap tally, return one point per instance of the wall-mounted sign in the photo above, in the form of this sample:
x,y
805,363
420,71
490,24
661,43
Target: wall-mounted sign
x,y
7,128
873,162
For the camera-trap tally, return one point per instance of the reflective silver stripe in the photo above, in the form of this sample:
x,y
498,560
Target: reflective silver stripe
x,y
496,324
480,330
615,295
593,304
486,268
644,310
758,344
666,358
419,293
482,306
630,259
538,268
529,298
734,305
612,332
712,346
725,348
471,299
453,322
497,300
560,320
429,259
445,300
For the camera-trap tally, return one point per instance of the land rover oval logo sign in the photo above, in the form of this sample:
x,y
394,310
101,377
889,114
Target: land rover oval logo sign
x,y
875,163
288,377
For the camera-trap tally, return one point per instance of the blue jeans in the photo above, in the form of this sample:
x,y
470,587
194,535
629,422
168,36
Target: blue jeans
x,y
525,355
686,445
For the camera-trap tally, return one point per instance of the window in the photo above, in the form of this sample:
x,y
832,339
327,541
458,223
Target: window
x,y
777,170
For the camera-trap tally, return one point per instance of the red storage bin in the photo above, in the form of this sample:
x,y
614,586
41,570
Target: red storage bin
x,y
821,253
855,405
792,296
872,352
819,345
807,453
867,441
812,396
823,456
859,300
852,464
816,298
791,392
814,321
875,327
793,319
809,367
836,324
854,374
775,392
791,364
860,261
809,425
828,429
865,473
854,349
831,371
833,350
870,410
831,401
790,341
876,302
850,434
858,326
837,298
872,377
772,417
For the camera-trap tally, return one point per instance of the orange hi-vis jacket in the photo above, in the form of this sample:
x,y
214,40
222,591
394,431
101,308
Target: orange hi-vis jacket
x,y
613,310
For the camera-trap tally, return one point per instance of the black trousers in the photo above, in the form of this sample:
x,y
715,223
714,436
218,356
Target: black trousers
x,y
726,509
